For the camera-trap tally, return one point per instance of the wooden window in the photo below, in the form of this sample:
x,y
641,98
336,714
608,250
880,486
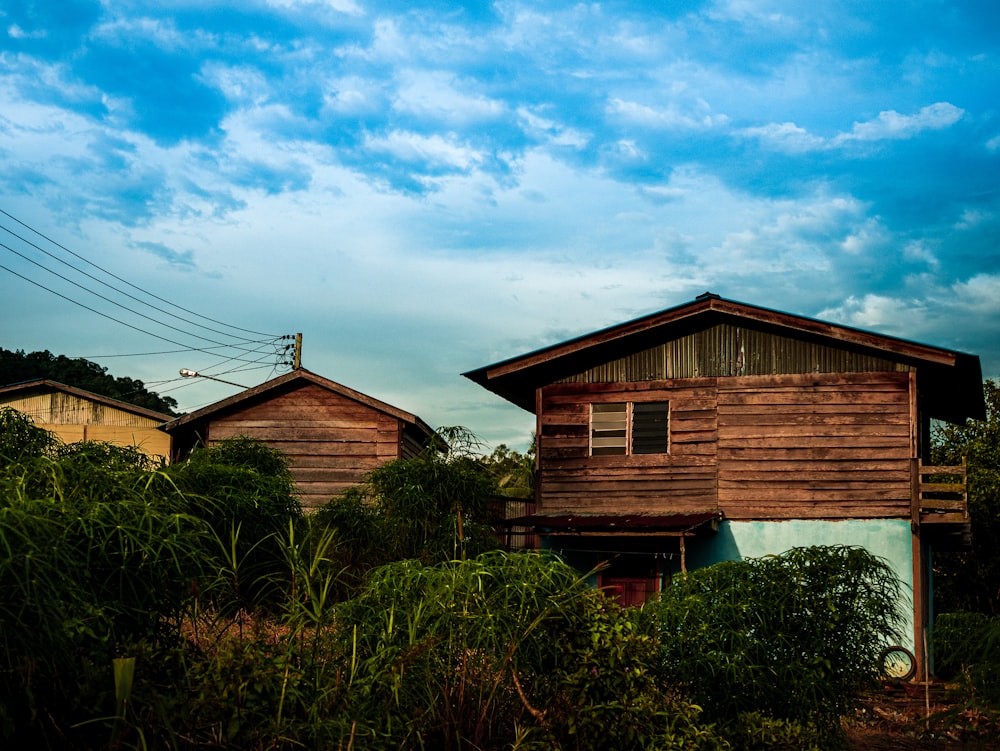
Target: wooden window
x,y
608,429
650,428
619,428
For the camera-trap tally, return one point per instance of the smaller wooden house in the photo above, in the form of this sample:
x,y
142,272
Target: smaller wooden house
x,y
77,415
332,435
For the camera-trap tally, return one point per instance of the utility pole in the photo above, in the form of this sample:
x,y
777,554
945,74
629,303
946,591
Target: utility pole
x,y
297,360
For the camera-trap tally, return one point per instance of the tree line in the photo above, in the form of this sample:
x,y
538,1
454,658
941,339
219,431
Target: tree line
x,y
17,366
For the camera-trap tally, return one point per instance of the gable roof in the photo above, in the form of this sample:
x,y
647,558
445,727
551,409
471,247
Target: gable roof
x,y
45,385
286,382
951,382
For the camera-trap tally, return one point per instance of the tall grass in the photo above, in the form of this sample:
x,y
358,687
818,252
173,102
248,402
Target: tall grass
x,y
81,581
103,556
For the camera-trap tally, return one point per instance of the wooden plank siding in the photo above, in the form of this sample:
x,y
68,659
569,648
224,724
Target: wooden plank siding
x,y
570,480
57,408
815,446
832,446
331,441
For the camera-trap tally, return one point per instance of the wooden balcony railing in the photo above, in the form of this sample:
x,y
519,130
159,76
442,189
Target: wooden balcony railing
x,y
943,496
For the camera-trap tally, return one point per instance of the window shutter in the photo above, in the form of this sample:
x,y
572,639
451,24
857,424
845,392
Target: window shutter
x,y
608,428
650,427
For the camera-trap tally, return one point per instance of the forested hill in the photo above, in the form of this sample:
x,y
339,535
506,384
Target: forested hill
x,y
17,367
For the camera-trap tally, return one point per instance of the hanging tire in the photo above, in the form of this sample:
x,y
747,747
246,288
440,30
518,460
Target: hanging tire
x,y
897,663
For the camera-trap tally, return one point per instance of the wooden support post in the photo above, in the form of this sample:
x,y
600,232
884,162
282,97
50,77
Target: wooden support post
x,y
684,568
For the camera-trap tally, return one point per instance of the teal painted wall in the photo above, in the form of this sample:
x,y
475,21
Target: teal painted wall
x,y
887,538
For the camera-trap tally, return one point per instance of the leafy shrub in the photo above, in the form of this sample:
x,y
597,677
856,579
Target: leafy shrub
x,y
458,654
99,554
433,507
607,688
21,439
754,731
245,492
967,649
793,637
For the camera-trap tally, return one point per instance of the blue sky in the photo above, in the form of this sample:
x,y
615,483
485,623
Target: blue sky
x,y
422,188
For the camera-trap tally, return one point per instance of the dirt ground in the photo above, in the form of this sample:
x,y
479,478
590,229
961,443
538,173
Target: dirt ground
x,y
895,718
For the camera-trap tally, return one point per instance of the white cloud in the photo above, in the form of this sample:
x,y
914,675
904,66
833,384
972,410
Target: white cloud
x,y
434,150
980,295
16,32
752,12
881,313
972,218
868,237
341,6
891,125
438,95
787,137
664,117
548,130
918,250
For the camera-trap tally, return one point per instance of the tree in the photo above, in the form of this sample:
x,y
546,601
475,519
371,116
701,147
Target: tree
x,y
971,580
514,471
432,507
16,367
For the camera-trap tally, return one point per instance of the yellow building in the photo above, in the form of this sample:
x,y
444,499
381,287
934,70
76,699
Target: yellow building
x,y
77,415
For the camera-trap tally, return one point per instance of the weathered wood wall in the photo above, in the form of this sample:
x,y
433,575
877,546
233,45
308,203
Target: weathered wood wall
x,y
331,441
757,447
807,446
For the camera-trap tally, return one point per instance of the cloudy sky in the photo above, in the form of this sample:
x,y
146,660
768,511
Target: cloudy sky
x,y
422,188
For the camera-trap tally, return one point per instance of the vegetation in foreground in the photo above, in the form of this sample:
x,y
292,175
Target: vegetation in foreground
x,y
196,606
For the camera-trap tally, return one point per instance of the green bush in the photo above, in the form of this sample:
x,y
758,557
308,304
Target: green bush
x,y
21,439
753,731
433,507
456,655
88,566
792,637
99,555
967,650
245,492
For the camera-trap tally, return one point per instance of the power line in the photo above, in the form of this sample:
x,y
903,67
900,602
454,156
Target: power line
x,y
124,281
180,351
248,354
105,315
101,281
117,304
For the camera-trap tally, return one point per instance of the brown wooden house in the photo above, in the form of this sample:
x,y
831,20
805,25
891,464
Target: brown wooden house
x,y
77,415
718,430
331,434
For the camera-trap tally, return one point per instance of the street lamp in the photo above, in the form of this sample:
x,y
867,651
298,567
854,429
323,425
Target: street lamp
x,y
187,373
